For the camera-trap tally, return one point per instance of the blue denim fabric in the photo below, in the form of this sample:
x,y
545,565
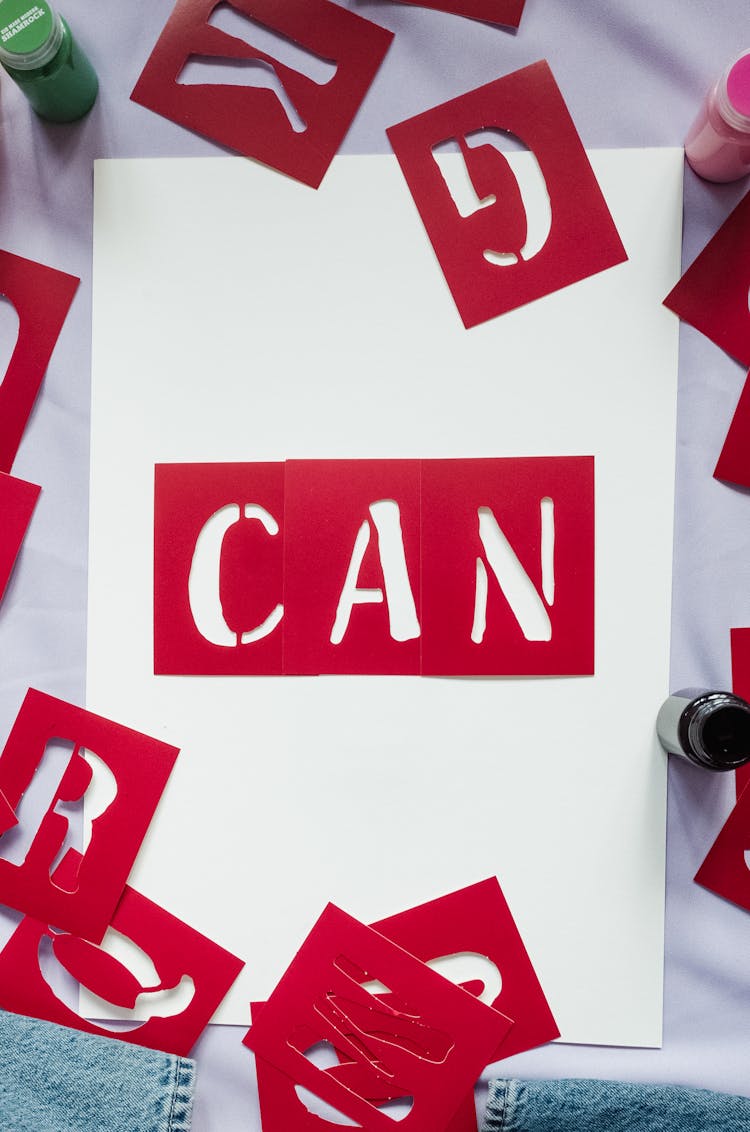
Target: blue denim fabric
x,y
53,1079
591,1106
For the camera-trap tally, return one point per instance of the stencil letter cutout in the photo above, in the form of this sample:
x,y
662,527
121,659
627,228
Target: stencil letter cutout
x,y
478,921
428,1044
42,884
296,124
358,522
17,503
508,566
482,254
192,975
713,293
285,1106
218,569
321,566
385,515
41,297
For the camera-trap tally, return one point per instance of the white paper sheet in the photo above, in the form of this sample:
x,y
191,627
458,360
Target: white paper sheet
x,y
241,316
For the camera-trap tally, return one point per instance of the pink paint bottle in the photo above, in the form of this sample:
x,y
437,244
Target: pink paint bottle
x,y
718,144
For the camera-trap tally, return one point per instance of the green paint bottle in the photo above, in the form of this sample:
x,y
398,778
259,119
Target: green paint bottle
x,y
41,56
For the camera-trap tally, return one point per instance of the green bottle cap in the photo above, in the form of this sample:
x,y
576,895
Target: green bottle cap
x,y
30,34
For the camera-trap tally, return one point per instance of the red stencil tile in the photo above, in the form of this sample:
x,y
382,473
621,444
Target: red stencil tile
x,y
740,644
477,921
17,503
733,464
508,566
285,1106
488,262
713,293
218,569
196,969
357,611
131,771
726,869
507,13
428,1043
41,297
297,125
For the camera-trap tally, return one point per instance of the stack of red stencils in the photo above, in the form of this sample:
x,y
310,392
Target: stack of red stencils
x,y
367,1024
122,775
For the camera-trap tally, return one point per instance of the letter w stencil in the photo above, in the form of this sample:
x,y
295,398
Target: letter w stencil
x,y
488,263
288,115
428,1042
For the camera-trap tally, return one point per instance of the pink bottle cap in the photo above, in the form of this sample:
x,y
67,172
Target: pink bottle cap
x,y
733,94
738,85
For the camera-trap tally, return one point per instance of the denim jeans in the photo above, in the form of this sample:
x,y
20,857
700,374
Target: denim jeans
x,y
53,1079
590,1106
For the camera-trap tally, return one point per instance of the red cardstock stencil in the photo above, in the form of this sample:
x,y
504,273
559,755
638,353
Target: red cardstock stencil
x,y
285,1106
126,773
508,566
198,971
477,922
489,260
296,120
211,615
357,521
507,13
733,464
740,643
17,503
726,869
441,567
41,297
713,293
426,1044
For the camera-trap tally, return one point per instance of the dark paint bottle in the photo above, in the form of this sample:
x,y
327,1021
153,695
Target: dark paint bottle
x,y
41,56
711,729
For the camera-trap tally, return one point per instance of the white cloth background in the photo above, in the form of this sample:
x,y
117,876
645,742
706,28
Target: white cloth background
x,y
633,74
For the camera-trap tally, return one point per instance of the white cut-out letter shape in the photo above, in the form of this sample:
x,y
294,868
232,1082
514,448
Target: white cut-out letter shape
x,y
402,612
747,858
10,326
93,803
470,966
323,1056
527,171
152,1002
262,73
203,583
527,606
38,799
316,1106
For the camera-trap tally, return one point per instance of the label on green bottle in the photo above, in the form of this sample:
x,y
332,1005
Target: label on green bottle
x,y
24,27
